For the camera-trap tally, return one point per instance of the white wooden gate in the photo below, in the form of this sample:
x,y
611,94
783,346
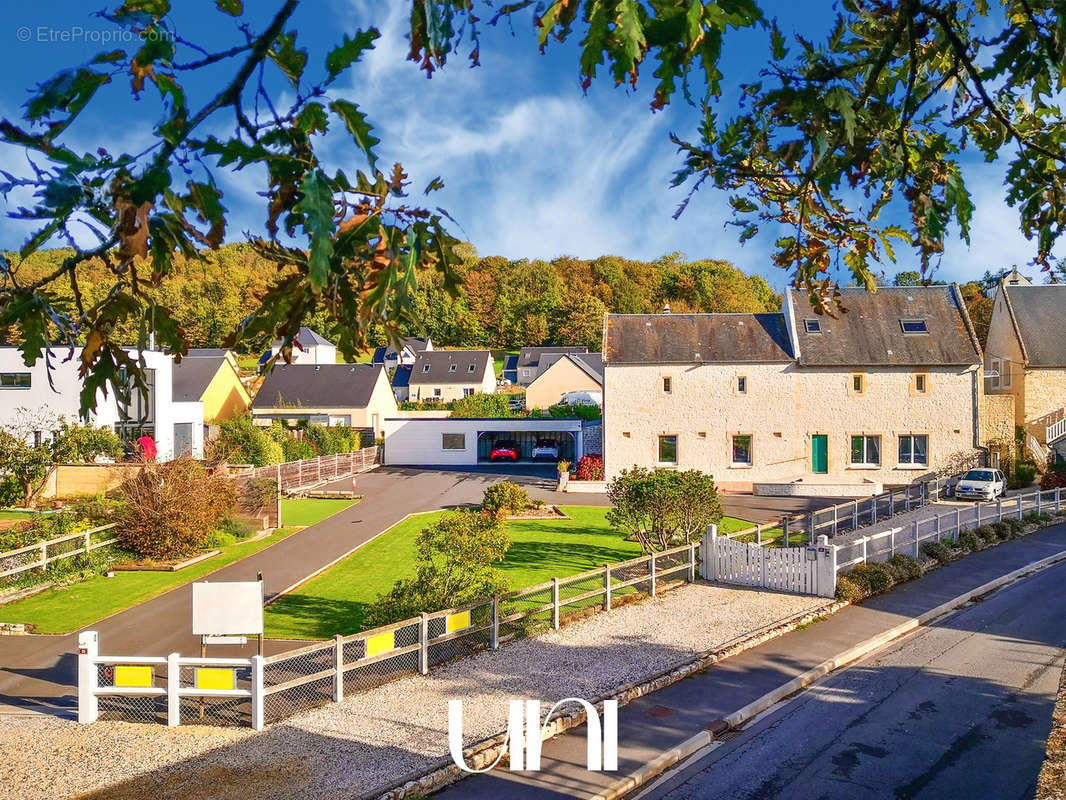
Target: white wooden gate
x,y
804,570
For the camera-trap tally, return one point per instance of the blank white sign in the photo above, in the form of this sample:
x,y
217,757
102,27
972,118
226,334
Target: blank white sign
x,y
225,608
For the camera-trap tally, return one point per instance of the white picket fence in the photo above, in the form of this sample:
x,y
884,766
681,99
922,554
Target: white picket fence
x,y
40,554
804,570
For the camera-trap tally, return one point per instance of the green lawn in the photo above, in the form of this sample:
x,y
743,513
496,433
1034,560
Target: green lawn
x,y
308,511
19,515
336,601
67,608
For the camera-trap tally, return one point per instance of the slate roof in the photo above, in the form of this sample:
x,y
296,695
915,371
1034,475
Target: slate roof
x,y
510,367
870,333
190,378
530,356
306,337
416,344
402,376
440,362
696,338
590,363
1038,312
205,352
318,386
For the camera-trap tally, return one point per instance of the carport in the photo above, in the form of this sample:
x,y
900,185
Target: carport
x,y
467,442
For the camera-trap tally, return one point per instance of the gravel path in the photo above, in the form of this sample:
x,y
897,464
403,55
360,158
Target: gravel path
x,y
373,739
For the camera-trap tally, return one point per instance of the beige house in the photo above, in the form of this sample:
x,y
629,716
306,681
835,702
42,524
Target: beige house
x,y
446,375
795,403
575,378
1025,358
358,395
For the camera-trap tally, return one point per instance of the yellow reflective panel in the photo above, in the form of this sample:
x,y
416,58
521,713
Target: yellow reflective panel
x,y
216,678
456,622
139,677
381,643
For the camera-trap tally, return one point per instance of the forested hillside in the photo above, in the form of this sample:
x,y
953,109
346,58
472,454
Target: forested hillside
x,y
501,304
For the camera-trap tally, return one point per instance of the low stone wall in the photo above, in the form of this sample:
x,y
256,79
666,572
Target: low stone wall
x,y
585,487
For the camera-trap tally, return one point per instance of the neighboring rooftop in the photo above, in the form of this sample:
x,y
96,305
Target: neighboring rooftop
x,y
190,378
413,343
590,363
318,386
402,376
894,326
696,338
305,337
450,366
1037,312
206,352
530,356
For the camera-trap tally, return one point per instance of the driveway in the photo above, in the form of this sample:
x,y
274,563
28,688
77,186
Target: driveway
x,y
41,671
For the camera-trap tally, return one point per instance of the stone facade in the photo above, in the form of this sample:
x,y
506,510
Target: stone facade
x,y
782,406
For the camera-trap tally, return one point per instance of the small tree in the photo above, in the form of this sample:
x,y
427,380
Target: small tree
x,y
172,508
505,496
663,508
455,566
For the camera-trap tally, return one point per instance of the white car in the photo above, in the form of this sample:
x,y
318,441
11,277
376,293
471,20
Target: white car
x,y
546,450
981,484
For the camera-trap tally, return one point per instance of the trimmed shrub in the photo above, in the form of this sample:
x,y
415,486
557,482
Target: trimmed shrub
x,y
1024,473
937,550
590,468
1001,530
906,568
298,449
987,534
1054,480
969,541
1015,527
237,528
848,590
588,413
875,578
1033,518
505,496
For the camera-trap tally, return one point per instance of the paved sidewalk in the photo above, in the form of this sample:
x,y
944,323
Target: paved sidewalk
x,y
662,720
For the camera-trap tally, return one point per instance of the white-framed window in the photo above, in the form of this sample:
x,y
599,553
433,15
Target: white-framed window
x,y
914,449
1004,371
14,380
857,383
453,441
995,366
812,325
742,384
668,384
668,449
741,453
425,367
467,391
914,326
865,451
453,367
436,392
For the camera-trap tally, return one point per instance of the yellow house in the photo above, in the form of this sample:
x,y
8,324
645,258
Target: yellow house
x,y
211,377
568,377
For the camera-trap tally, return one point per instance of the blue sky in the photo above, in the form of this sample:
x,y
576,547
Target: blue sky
x,y
532,166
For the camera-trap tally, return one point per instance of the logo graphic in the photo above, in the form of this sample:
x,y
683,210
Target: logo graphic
x,y
525,733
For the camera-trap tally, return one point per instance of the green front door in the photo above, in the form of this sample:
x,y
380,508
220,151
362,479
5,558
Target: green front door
x,y
820,453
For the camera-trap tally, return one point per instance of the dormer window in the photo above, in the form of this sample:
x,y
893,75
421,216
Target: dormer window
x,y
471,368
812,325
914,326
425,367
453,367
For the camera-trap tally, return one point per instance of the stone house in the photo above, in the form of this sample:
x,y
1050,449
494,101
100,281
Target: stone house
x,y
797,403
446,375
1025,358
567,378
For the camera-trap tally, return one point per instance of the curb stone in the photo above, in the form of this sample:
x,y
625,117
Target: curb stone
x,y
443,772
700,740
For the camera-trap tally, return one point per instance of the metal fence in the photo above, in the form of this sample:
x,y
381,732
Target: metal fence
x,y
295,475
950,525
270,689
40,554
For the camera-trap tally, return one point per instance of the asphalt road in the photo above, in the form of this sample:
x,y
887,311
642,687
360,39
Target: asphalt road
x,y
40,672
958,710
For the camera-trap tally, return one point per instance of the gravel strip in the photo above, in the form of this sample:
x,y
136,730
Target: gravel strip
x,y
373,739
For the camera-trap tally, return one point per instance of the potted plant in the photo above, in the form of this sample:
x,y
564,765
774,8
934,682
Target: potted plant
x,y
564,474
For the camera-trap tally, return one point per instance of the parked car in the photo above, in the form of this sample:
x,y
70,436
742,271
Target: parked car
x,y
516,404
504,450
546,450
981,484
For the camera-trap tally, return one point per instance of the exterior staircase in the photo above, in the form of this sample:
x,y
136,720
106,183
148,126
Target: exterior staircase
x,y
1056,430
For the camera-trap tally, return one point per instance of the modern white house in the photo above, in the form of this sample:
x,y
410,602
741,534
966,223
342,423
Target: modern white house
x,y
27,394
455,441
391,357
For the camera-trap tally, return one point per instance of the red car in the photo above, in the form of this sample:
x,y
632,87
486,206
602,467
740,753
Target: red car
x,y
504,450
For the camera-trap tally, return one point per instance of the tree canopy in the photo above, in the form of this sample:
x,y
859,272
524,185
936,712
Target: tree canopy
x,y
851,142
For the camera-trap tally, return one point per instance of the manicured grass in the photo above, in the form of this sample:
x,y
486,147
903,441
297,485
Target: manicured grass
x,y
337,600
307,511
19,515
67,608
